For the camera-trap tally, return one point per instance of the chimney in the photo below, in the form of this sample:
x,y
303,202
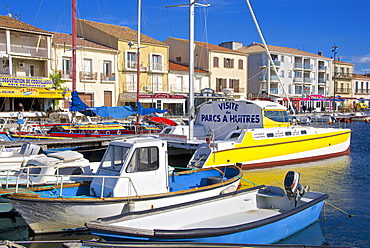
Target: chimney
x,y
319,53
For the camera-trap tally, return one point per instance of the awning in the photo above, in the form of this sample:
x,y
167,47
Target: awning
x,y
33,93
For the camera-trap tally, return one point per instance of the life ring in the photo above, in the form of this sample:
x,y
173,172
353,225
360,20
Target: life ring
x,y
107,132
96,132
118,132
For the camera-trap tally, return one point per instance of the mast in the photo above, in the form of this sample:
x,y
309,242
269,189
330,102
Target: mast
x,y
268,53
138,62
74,40
191,109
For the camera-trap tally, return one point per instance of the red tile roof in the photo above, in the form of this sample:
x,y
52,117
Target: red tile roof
x,y
179,67
211,47
122,33
61,38
7,22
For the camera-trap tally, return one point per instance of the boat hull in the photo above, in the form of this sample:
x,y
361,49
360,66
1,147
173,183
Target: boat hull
x,y
259,153
58,214
248,225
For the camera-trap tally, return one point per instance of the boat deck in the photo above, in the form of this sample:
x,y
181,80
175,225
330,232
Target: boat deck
x,y
235,219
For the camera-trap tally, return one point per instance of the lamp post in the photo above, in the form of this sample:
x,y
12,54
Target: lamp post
x,y
335,53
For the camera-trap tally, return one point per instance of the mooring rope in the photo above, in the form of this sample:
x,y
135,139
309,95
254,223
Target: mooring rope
x,y
255,184
349,215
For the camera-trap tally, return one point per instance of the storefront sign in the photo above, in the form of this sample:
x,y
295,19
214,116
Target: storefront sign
x,y
33,92
26,82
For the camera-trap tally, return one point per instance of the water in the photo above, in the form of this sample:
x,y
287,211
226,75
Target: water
x,y
345,179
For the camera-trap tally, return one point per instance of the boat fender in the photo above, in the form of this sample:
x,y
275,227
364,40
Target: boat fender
x,y
348,120
229,189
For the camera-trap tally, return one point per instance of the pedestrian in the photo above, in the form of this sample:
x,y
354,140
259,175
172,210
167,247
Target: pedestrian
x,y
21,108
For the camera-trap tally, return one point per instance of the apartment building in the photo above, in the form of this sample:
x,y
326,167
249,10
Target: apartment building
x,y
151,57
305,77
96,69
227,68
342,85
360,89
26,55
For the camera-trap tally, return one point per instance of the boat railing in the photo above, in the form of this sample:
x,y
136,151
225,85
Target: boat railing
x,y
61,180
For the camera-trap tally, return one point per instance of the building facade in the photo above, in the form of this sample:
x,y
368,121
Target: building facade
x,y
151,57
227,68
305,77
360,90
342,89
96,69
26,55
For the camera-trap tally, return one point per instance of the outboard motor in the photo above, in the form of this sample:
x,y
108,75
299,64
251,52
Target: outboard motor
x,y
292,185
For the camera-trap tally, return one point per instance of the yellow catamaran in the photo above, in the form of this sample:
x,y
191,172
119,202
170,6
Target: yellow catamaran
x,y
253,133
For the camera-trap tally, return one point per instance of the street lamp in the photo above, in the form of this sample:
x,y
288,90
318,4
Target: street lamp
x,y
335,53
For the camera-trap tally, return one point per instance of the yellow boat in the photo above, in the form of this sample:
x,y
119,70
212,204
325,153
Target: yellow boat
x,y
252,133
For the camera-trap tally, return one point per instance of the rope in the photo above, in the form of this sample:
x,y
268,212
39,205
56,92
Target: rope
x,y
247,180
349,215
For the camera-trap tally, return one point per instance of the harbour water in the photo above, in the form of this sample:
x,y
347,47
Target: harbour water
x,y
345,220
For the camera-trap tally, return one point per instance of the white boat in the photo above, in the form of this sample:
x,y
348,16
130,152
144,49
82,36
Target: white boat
x,y
12,159
258,215
254,133
133,175
50,169
357,116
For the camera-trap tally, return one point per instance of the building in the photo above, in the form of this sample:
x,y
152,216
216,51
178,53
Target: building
x,y
305,77
360,90
342,85
178,80
26,55
96,67
227,68
153,57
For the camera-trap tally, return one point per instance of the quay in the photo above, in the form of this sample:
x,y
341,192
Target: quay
x,y
91,142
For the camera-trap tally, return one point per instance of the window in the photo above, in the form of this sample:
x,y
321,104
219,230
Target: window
x,y
220,84
228,63
234,84
66,67
30,70
144,159
107,69
240,64
178,87
280,116
178,59
157,62
290,74
115,157
281,73
131,81
157,82
282,58
87,69
131,59
215,62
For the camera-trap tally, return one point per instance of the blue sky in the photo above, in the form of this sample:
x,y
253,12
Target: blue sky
x,y
309,25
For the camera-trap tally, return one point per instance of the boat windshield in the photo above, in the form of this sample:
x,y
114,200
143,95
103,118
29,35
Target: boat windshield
x,y
115,157
280,116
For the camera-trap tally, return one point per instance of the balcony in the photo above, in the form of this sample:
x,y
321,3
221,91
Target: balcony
x,y
88,76
108,77
308,67
342,75
342,91
66,74
264,63
322,68
307,80
274,91
273,78
157,67
322,81
298,79
29,51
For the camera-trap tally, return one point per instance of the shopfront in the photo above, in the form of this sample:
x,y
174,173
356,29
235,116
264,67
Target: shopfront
x,y
35,94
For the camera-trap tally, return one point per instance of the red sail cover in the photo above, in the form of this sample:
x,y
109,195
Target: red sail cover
x,y
163,120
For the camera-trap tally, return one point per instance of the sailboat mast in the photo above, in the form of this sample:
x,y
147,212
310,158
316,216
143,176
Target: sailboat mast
x,y
268,52
74,41
191,109
138,60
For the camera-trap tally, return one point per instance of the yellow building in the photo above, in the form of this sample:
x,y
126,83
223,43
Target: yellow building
x,y
153,80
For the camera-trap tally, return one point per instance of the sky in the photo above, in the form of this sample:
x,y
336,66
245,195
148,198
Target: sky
x,y
309,25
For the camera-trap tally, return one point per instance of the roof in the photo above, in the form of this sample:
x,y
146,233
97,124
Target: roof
x,y
122,33
342,62
359,76
179,67
211,47
258,48
7,22
61,38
